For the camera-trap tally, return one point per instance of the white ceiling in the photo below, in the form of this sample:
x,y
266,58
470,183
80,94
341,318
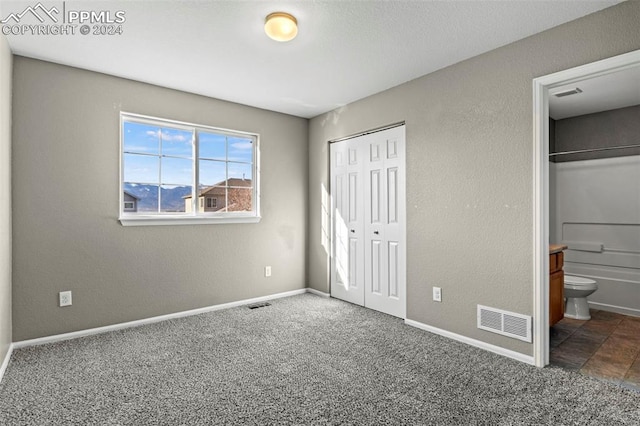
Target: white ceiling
x,y
603,93
345,50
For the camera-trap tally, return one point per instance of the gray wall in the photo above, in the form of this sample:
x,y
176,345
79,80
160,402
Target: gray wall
x,y
616,127
65,230
469,170
597,202
5,196
612,128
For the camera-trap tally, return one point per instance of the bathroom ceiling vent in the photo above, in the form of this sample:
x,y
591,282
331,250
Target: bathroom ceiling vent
x,y
506,323
569,92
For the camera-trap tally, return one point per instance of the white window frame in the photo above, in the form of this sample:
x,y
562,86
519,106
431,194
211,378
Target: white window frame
x,y
197,216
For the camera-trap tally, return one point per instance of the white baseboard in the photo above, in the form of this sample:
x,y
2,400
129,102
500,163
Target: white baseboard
x,y
318,292
613,308
527,359
5,362
137,323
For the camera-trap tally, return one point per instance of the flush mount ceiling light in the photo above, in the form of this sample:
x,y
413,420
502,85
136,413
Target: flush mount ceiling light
x,y
281,26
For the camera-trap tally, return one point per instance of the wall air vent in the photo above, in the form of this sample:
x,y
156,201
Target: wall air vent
x,y
506,323
569,92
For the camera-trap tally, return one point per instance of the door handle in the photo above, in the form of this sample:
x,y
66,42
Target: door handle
x,y
376,232
353,230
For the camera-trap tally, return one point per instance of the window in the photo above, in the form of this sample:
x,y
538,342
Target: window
x,y
169,168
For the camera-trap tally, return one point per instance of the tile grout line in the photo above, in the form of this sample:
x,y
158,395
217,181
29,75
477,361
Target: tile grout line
x,y
573,331
595,351
624,375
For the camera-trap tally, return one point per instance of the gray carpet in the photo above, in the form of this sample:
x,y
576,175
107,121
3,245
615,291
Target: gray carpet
x,y
303,360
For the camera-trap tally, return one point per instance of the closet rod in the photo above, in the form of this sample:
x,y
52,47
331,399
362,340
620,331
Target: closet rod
x,y
368,132
580,151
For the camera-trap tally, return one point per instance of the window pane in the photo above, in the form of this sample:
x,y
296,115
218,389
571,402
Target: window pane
x,y
215,197
141,168
241,171
240,149
172,198
146,195
212,172
239,200
142,138
176,142
212,146
177,171
158,169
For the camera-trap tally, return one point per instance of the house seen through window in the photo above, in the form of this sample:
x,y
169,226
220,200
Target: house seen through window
x,y
173,169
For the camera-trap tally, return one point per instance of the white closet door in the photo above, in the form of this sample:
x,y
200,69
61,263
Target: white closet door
x,y
347,266
385,259
375,245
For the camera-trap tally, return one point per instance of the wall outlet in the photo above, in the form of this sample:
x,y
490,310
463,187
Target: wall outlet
x,y
437,294
267,271
65,298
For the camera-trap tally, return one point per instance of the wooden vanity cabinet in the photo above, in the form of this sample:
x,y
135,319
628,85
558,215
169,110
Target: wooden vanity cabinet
x,y
556,287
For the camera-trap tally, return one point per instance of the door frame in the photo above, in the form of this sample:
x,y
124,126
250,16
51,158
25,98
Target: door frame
x,y
332,207
541,87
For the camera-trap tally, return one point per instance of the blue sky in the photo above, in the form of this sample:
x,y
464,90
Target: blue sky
x,y
220,155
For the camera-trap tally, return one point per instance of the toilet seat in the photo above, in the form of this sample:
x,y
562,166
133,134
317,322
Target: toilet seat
x,y
579,283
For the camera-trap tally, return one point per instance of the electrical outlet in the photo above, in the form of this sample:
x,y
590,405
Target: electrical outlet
x,y
437,294
267,271
65,298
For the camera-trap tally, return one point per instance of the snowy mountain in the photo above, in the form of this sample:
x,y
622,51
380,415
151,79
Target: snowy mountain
x,y
172,197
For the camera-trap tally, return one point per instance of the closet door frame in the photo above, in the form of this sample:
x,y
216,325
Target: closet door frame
x,y
367,150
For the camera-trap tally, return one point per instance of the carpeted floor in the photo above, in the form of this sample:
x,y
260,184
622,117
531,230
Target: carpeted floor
x,y
303,360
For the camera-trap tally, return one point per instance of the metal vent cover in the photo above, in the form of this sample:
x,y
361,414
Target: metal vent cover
x,y
258,305
568,92
506,323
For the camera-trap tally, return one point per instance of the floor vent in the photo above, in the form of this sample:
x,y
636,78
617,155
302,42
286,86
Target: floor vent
x,y
258,305
506,323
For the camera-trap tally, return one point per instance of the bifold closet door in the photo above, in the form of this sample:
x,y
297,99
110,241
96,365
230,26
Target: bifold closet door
x,y
347,266
368,189
384,217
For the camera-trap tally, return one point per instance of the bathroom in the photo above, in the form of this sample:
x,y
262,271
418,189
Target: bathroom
x,y
594,213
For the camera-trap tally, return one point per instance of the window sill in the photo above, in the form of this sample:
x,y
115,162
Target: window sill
x,y
140,220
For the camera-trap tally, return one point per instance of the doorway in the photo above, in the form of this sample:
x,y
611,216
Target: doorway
x,y
542,87
368,210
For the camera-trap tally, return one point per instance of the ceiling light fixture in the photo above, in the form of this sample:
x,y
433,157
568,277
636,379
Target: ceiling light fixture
x,y
281,26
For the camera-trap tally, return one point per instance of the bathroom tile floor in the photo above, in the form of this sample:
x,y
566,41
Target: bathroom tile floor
x,y
606,347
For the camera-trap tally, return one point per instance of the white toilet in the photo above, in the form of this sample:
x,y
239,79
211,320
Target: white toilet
x,y
576,290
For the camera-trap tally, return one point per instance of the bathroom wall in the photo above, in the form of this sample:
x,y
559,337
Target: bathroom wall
x,y
612,128
595,206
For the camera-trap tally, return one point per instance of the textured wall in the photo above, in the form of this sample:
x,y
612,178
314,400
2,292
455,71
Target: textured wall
x,y
66,235
469,170
5,196
618,127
